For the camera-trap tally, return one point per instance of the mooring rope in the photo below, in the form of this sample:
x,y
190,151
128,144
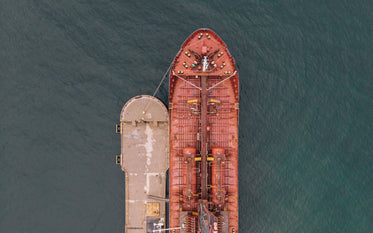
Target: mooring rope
x,y
157,89
187,81
222,81
164,76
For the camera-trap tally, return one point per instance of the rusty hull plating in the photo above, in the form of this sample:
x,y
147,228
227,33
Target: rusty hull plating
x,y
203,136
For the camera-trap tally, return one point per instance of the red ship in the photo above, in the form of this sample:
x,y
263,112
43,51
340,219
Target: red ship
x,y
203,108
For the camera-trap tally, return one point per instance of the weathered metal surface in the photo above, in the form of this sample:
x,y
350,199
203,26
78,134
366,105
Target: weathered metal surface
x,y
144,159
204,109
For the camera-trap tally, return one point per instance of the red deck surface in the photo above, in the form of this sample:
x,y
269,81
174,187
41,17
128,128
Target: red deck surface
x,y
189,127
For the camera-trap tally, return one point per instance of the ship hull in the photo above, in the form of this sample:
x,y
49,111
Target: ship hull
x,y
203,108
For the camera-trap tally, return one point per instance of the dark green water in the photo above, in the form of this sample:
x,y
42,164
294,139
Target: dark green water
x,y
306,81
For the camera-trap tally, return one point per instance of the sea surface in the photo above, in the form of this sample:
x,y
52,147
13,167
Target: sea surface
x,y
306,108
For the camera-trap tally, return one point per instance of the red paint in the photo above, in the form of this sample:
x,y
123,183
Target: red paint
x,y
211,129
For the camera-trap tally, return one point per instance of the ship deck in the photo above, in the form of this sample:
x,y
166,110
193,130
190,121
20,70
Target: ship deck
x,y
204,108
144,159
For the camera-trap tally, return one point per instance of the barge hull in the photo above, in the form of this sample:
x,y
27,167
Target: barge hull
x,y
144,159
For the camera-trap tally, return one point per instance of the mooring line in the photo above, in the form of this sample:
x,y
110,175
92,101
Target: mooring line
x,y
164,76
187,81
157,89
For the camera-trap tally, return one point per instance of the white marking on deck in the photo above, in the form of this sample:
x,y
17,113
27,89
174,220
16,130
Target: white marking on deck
x,y
133,201
146,188
149,143
149,149
135,134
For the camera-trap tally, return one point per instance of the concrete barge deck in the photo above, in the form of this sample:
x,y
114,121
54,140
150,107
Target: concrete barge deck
x,y
144,159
